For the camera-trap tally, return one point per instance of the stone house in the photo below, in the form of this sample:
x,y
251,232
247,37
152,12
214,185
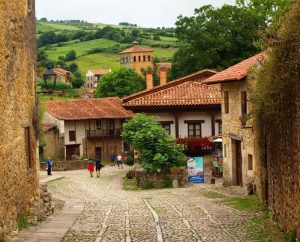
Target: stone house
x,y
53,147
238,137
137,58
62,75
185,107
18,119
89,127
94,76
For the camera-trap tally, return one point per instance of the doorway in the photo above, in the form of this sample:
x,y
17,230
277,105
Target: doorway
x,y
239,163
72,150
98,153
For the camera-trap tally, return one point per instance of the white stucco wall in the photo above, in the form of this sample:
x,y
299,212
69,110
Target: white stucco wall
x,y
49,119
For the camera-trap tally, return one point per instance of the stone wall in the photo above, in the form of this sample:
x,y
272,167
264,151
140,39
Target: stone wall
x,y
65,165
232,132
18,168
158,180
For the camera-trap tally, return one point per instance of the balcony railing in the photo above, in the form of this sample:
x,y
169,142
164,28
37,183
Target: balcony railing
x,y
100,133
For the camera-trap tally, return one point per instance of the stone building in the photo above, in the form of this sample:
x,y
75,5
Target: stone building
x,y
137,58
89,128
94,76
238,137
51,143
186,107
18,119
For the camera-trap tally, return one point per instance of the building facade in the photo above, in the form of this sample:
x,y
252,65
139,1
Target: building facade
x,y
137,58
89,128
238,137
62,75
94,76
186,107
18,119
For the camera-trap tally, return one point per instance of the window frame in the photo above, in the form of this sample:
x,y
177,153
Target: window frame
x,y
226,102
193,124
244,103
72,136
250,162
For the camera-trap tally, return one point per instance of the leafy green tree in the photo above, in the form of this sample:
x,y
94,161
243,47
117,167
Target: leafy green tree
x,y
157,148
70,56
77,80
122,82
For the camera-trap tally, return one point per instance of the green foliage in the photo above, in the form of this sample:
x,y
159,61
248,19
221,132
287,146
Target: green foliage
x,y
77,80
22,222
249,203
291,237
148,185
70,56
60,86
158,149
220,37
122,82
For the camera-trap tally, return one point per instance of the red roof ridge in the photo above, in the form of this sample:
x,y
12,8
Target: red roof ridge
x,y
236,72
170,84
135,49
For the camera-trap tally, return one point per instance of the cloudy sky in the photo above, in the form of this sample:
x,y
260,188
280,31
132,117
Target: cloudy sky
x,y
146,13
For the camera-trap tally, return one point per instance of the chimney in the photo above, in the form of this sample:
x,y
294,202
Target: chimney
x,y
163,72
149,80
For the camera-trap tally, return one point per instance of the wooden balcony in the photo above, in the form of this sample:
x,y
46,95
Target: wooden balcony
x,y
103,133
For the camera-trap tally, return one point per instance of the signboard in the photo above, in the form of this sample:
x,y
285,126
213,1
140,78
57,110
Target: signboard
x,y
195,170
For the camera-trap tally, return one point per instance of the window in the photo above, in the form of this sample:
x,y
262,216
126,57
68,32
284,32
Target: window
x,y
149,58
98,124
72,135
194,128
219,122
225,151
28,147
139,58
111,124
226,102
144,58
250,162
134,58
244,103
167,125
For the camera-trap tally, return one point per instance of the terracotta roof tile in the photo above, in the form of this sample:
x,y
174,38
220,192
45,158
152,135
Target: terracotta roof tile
x,y
196,77
237,72
84,109
135,49
100,71
189,93
60,71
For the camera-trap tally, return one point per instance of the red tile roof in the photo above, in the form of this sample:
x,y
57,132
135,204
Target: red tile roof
x,y
136,48
47,127
60,71
237,72
186,91
189,93
99,72
197,77
84,109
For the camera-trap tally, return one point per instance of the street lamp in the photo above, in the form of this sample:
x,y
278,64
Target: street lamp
x,y
50,75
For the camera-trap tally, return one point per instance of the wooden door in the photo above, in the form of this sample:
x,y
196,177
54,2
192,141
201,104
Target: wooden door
x,y
72,150
98,153
239,165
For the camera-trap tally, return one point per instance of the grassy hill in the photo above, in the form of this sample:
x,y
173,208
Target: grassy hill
x,y
164,47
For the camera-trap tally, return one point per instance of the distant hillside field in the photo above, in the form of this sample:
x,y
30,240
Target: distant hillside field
x,y
107,57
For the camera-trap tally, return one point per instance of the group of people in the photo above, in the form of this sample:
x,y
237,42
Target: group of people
x,y
91,167
119,160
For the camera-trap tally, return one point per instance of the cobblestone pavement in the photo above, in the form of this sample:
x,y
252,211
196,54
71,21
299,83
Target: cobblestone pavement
x,y
113,214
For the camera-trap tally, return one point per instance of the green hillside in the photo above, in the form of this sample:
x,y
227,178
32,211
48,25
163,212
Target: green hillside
x,y
107,57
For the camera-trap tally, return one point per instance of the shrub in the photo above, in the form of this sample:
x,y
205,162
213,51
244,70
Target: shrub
x,y
158,149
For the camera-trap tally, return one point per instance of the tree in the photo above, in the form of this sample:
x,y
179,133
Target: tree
x,y
220,37
122,82
70,56
73,67
77,80
157,148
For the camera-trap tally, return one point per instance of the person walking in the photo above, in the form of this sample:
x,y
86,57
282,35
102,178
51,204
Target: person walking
x,y
91,167
112,158
49,166
120,161
99,166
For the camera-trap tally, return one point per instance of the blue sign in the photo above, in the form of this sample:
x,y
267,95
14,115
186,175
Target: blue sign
x,y
195,170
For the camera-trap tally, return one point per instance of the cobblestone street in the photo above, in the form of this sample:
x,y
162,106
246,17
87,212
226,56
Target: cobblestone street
x,y
113,214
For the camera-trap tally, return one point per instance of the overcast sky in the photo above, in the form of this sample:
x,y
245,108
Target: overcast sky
x,y
146,13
